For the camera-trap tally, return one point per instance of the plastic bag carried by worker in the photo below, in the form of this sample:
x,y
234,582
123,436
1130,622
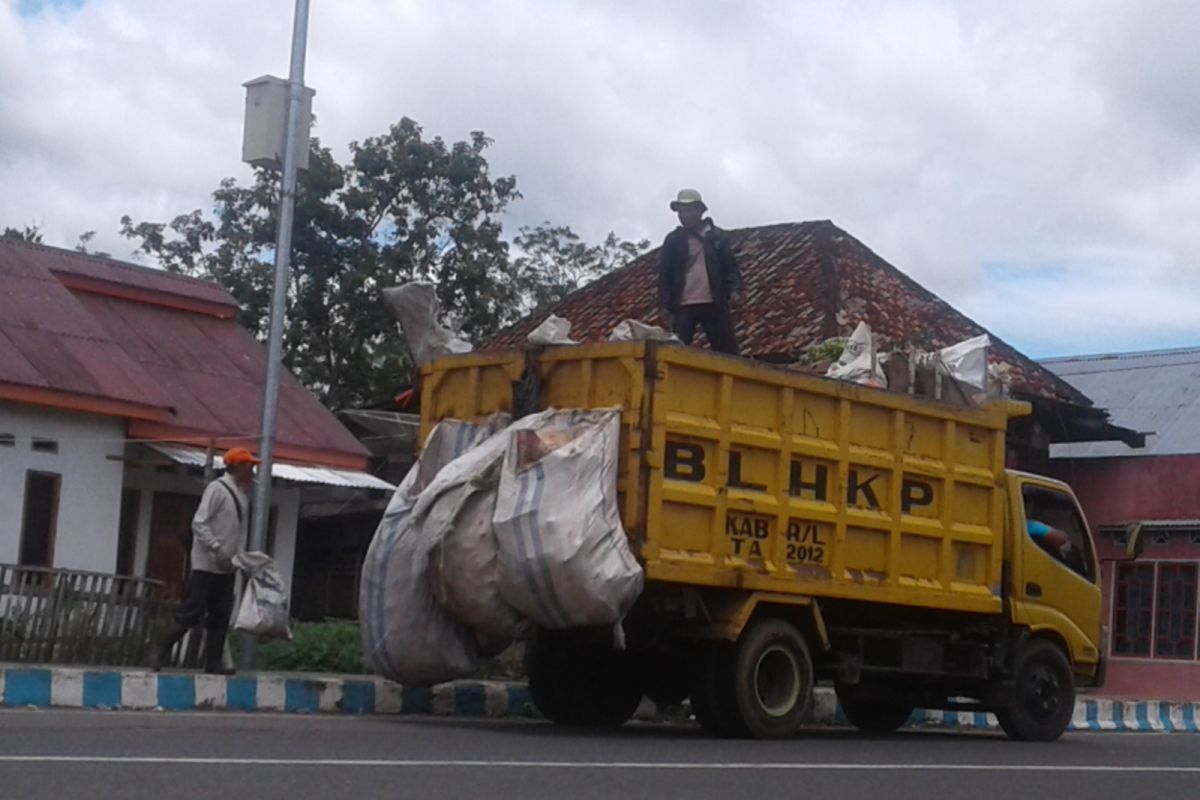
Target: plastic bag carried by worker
x,y
263,609
564,556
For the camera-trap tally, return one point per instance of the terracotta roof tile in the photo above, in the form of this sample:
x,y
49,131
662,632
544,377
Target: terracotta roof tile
x,y
804,282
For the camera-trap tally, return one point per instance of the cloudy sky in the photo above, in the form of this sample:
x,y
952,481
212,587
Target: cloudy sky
x,y
1035,164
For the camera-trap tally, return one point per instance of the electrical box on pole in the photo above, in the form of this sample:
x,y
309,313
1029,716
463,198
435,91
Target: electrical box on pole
x,y
265,130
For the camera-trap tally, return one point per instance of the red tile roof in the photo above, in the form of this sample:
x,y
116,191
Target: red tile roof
x,y
162,350
803,282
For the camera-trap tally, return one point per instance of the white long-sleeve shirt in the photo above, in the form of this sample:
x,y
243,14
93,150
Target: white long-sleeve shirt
x,y
217,531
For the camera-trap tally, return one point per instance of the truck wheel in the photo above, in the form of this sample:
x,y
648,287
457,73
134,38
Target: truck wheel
x,y
577,682
873,708
1043,696
711,695
547,670
772,679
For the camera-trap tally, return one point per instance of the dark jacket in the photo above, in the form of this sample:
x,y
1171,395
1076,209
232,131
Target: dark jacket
x,y
724,278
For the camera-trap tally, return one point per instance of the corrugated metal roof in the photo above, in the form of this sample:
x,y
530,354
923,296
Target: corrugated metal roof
x,y
329,476
1156,391
109,270
804,281
49,341
202,370
212,370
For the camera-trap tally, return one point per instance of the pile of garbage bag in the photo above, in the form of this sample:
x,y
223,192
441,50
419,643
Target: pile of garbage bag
x,y
958,374
499,528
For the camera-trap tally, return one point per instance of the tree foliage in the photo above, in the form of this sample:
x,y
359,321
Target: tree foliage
x,y
554,261
29,233
403,208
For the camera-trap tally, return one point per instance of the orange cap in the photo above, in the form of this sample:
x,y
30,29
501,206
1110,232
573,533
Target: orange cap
x,y
240,455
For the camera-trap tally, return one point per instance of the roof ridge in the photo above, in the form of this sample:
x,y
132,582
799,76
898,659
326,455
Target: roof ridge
x,y
1127,354
113,262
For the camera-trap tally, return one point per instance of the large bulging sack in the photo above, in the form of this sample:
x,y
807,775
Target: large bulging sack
x,y
456,511
564,556
406,634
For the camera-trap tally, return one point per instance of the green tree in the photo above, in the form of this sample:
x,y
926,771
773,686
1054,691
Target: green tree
x,y
404,208
554,261
30,233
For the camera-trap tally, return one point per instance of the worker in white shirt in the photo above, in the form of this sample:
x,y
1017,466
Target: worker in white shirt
x,y
219,530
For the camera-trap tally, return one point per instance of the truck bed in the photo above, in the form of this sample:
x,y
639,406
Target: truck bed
x,y
737,474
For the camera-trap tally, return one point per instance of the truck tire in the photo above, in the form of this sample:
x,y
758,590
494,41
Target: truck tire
x,y
545,669
872,707
1043,695
772,679
711,693
582,683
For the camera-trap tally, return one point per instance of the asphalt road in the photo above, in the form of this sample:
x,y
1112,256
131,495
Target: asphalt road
x,y
90,754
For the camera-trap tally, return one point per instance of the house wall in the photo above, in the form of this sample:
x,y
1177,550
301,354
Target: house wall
x,y
1113,492
148,480
89,504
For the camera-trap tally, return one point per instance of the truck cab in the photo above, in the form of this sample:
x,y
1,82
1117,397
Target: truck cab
x,y
1055,591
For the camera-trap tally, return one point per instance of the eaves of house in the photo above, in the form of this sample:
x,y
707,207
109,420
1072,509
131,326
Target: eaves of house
x,y
163,351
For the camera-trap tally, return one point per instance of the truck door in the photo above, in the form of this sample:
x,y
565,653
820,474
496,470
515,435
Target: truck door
x,y
1057,588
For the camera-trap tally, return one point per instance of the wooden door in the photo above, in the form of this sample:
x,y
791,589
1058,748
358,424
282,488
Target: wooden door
x,y
170,531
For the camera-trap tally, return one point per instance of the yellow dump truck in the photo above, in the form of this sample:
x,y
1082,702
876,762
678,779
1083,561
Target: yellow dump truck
x,y
796,529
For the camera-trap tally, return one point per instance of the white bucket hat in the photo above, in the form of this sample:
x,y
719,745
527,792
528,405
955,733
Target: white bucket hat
x,y
687,197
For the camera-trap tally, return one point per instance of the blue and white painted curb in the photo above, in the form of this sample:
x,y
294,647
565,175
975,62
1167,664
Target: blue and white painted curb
x,y
100,688
1091,714
83,687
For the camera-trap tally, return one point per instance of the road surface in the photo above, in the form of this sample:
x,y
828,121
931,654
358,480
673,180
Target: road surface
x,y
96,754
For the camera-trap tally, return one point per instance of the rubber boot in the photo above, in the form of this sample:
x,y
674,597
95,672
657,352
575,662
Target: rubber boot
x,y
162,656
214,649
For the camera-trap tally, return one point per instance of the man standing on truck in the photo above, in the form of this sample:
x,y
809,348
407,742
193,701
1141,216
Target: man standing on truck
x,y
698,277
219,530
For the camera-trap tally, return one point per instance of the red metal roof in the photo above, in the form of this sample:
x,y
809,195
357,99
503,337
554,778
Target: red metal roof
x,y
99,331
803,282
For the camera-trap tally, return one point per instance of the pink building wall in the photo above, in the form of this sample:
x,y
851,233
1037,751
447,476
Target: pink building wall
x,y
1114,492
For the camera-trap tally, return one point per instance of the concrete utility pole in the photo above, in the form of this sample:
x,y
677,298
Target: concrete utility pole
x,y
283,249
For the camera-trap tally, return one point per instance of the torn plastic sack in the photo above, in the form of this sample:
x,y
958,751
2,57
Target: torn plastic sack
x,y
859,362
967,360
415,306
553,330
263,609
564,556
406,633
632,330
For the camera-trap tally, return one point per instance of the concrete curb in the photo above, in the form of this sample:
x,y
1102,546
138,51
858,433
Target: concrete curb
x,y
97,687
101,688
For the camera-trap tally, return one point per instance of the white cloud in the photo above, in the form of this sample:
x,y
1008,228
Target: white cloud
x,y
1060,140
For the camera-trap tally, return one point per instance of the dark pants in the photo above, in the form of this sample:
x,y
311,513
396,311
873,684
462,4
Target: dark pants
x,y
209,600
716,321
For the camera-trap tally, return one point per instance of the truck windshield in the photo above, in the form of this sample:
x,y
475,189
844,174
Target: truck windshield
x,y
1057,511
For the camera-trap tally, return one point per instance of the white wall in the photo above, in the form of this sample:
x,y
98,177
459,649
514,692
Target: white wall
x,y
286,499
89,504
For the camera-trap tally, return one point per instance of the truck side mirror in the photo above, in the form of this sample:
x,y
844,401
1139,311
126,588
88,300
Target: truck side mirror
x,y
1133,540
